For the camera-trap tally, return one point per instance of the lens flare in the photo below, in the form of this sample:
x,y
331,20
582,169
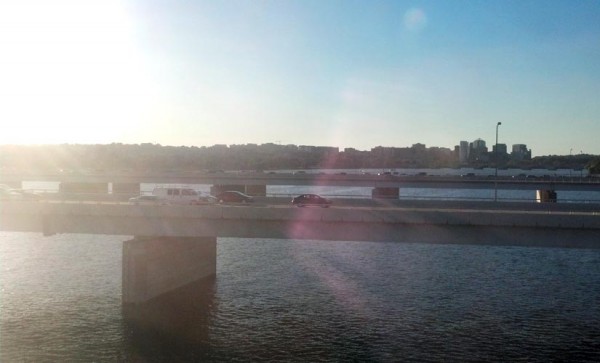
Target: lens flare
x,y
415,20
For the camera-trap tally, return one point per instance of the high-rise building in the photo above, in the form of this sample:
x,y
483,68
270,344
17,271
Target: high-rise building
x,y
478,151
500,150
463,152
479,144
520,152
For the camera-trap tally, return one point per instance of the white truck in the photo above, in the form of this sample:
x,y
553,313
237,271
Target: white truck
x,y
176,195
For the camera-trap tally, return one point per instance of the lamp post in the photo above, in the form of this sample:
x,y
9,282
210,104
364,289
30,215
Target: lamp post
x,y
496,157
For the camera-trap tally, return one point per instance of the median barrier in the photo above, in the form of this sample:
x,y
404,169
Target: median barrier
x,y
337,214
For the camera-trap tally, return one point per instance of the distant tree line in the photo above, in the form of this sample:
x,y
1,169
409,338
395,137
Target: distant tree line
x,y
154,157
594,166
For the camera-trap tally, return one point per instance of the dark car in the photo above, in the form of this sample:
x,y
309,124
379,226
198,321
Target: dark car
x,y
311,199
233,196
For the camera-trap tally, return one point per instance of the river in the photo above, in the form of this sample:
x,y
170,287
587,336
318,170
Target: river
x,y
275,300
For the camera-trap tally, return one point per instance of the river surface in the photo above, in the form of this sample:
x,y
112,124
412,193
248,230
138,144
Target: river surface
x,y
305,301
285,300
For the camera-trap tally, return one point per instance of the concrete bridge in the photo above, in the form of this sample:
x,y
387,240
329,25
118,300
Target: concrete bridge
x,y
176,245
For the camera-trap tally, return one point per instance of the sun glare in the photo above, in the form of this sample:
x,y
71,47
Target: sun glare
x,y
69,72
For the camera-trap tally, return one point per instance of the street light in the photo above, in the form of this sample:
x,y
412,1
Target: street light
x,y
496,157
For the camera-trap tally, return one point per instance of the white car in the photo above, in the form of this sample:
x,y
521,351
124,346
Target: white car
x,y
207,199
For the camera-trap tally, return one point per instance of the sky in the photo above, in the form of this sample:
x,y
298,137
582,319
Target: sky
x,y
346,73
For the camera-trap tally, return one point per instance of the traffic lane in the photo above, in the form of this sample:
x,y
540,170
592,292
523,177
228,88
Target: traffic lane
x,y
457,205
445,204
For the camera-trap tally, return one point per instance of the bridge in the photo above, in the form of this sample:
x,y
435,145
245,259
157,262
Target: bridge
x,y
175,245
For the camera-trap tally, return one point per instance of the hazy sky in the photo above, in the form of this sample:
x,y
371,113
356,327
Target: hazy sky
x,y
314,72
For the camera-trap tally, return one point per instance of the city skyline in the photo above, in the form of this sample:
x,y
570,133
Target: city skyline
x,y
349,74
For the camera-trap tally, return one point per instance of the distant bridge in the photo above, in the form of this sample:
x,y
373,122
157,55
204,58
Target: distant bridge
x,y
386,186
558,183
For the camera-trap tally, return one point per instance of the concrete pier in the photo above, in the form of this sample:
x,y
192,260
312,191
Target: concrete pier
x,y
126,190
83,188
256,190
545,196
154,266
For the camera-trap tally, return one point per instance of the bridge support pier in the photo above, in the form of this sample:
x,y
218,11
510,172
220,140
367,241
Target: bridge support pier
x,y
545,196
256,190
385,193
83,191
154,266
124,191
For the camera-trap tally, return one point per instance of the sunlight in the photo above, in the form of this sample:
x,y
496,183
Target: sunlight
x,y
70,72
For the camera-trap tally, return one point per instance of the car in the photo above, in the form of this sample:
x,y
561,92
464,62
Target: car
x,y
26,195
207,199
233,196
7,193
311,200
147,199
177,195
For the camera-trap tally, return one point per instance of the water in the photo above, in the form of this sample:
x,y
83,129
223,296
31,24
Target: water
x,y
285,300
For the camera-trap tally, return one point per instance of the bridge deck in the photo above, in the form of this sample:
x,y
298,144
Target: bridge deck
x,y
395,224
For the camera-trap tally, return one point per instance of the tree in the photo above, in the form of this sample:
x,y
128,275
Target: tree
x,y
594,166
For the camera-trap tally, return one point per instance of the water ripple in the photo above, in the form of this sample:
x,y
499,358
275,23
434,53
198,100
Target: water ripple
x,y
298,301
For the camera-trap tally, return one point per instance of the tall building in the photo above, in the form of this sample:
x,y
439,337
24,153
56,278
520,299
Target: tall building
x,y
463,152
520,152
501,150
499,153
478,151
479,144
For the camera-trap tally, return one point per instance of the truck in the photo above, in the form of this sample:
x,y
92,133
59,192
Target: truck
x,y
177,195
